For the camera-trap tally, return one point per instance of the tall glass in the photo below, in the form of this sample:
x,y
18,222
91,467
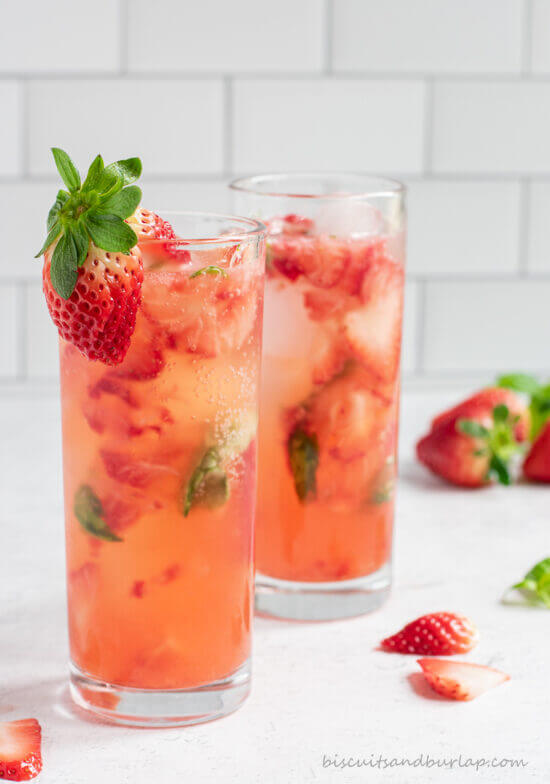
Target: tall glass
x,y
160,474
330,390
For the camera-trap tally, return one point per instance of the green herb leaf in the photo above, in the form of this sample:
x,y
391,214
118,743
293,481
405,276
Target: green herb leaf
x,y
52,235
123,204
88,511
535,586
500,413
63,271
66,169
472,428
499,470
303,455
520,382
94,174
82,241
109,232
53,214
210,270
127,171
208,484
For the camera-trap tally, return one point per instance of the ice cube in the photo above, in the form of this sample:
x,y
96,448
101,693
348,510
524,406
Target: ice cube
x,y
349,218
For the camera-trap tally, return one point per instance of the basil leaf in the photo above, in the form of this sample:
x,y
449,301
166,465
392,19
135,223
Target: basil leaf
x,y
109,232
303,455
88,511
63,270
66,169
210,270
94,174
208,483
124,203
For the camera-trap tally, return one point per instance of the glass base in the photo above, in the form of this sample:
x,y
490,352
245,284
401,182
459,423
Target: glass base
x,y
160,708
299,601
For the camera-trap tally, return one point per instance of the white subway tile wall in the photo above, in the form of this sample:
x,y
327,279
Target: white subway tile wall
x,y
452,97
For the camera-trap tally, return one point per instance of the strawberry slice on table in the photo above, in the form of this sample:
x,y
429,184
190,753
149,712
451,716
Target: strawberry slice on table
x,y
472,444
20,750
537,463
460,680
440,633
93,269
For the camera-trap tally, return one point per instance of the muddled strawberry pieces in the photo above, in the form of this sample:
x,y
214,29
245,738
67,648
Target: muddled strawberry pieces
x,y
460,680
20,750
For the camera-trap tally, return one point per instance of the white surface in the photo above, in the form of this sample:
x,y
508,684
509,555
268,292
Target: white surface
x,y
319,688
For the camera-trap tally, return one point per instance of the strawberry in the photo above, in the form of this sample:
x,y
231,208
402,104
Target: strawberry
x,y
374,330
472,444
482,403
150,226
93,271
440,633
460,680
290,224
20,753
537,463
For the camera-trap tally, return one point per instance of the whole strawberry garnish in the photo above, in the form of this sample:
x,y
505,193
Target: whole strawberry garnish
x,y
20,753
440,633
460,680
473,444
93,271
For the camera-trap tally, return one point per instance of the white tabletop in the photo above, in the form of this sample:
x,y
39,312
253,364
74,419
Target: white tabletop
x,y
319,689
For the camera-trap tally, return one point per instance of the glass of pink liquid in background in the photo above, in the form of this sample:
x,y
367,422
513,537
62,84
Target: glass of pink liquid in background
x,y
330,390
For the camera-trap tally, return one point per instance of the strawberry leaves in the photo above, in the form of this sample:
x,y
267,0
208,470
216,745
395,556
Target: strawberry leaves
x,y
539,394
94,211
497,442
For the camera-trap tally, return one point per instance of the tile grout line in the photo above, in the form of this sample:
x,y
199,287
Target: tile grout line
x,y
123,36
527,39
227,156
21,335
524,211
24,155
327,43
429,98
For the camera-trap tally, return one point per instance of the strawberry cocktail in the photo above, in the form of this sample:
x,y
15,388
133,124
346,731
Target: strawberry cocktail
x,y
329,410
160,326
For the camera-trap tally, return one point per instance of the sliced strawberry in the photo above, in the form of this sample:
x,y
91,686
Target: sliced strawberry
x,y
150,226
20,750
286,256
292,224
537,463
460,680
374,330
145,359
123,468
440,633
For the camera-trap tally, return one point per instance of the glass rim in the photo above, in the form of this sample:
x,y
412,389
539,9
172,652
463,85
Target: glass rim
x,y
386,186
251,228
